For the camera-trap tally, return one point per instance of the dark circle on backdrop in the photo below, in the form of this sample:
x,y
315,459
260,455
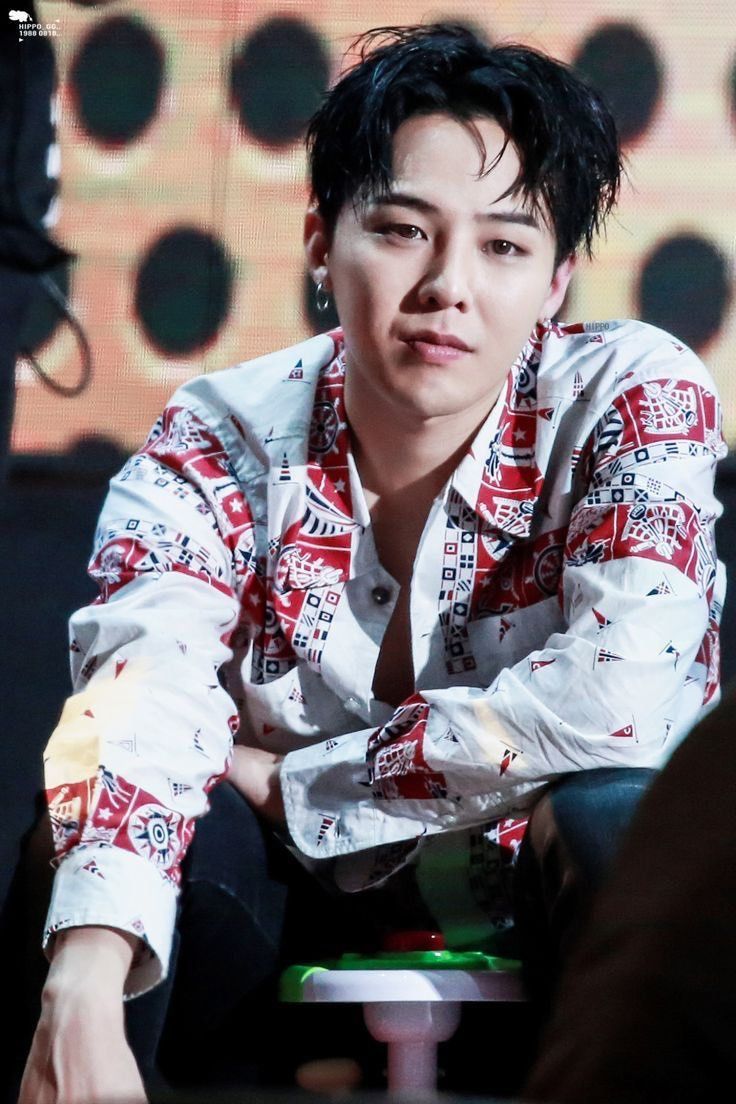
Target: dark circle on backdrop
x,y
183,290
319,321
278,76
116,80
684,288
44,316
622,64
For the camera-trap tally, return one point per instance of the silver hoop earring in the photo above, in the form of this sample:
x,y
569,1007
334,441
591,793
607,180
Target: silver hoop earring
x,y
322,298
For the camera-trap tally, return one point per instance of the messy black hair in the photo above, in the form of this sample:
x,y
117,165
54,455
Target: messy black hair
x,y
563,133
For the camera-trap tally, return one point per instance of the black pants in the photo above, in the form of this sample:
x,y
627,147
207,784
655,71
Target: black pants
x,y
248,909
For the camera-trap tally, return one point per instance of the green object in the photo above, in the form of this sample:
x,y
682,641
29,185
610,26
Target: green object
x,y
293,978
291,987
427,960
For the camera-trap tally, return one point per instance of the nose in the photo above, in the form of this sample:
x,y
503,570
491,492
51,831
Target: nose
x,y
445,282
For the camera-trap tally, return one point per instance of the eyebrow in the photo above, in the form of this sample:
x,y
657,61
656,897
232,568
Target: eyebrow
x,y
416,203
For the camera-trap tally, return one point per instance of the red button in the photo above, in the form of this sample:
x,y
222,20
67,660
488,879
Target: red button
x,y
414,941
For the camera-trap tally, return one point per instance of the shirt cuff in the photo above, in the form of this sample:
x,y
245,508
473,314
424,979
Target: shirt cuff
x,y
329,807
102,886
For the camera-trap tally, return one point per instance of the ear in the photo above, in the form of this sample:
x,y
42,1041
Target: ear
x,y
316,245
558,287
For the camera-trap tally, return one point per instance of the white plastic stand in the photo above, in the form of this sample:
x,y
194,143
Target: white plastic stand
x,y
412,1011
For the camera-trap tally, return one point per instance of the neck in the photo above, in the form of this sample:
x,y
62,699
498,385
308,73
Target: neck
x,y
396,453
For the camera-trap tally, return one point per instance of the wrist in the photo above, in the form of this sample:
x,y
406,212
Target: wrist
x,y
100,956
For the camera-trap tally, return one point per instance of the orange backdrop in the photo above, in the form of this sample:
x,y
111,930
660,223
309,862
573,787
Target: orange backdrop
x,y
195,165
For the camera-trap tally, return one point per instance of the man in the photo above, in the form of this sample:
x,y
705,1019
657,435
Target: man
x,y
436,562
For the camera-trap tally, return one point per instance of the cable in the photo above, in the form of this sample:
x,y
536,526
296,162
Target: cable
x,y
68,392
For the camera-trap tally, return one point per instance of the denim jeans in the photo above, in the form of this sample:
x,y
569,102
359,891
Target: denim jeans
x,y
573,835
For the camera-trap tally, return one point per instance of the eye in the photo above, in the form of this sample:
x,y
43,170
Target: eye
x,y
404,230
503,248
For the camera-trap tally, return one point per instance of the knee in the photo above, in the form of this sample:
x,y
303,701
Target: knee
x,y
587,813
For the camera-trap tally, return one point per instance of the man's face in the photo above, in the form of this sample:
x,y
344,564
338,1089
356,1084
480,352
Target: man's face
x,y
438,284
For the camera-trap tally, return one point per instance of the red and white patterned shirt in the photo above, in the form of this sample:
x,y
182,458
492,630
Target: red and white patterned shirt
x,y
564,615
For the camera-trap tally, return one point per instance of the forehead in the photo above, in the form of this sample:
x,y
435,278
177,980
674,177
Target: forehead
x,y
438,152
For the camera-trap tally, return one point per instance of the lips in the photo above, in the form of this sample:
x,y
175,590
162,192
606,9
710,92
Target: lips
x,y
434,348
432,337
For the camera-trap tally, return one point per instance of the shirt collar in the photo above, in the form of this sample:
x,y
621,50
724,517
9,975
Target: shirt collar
x,y
498,477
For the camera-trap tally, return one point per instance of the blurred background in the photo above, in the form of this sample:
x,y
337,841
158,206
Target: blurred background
x,y
176,186
183,183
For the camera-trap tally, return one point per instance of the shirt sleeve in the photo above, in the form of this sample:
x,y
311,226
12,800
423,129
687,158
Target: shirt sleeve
x,y
641,593
148,730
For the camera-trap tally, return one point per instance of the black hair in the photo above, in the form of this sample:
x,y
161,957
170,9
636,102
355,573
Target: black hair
x,y
564,134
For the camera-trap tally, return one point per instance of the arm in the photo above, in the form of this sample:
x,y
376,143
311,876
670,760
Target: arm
x,y
619,686
140,743
148,731
79,1052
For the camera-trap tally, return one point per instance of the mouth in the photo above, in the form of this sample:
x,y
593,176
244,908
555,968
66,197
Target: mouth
x,y
435,347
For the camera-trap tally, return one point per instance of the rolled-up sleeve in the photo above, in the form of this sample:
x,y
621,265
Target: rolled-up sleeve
x,y
148,730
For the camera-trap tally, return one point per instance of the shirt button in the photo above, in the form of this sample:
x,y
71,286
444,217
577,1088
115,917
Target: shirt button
x,y
381,595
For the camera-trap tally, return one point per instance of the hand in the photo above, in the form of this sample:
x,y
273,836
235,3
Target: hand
x,y
256,774
79,1053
